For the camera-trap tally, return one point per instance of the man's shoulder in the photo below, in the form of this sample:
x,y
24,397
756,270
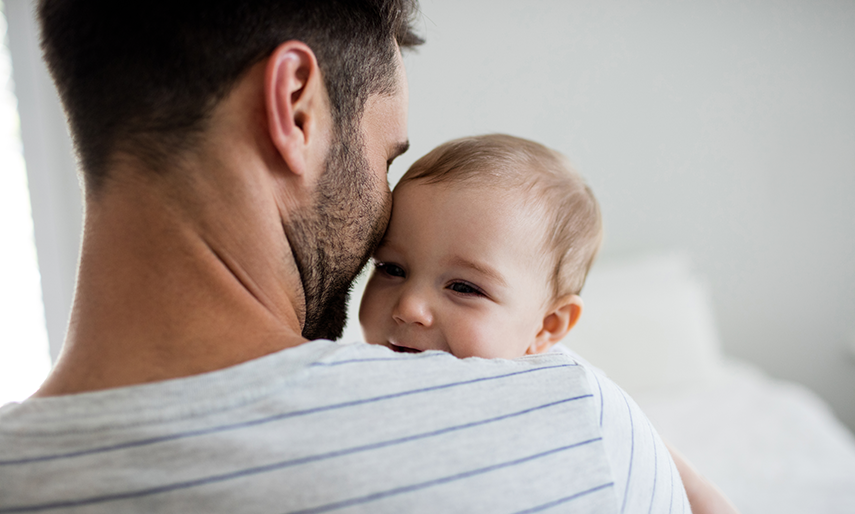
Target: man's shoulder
x,y
645,478
436,366
328,376
326,424
318,373
534,384
354,425
311,368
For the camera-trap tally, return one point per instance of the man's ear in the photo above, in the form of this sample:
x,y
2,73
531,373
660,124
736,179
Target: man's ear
x,y
559,319
297,108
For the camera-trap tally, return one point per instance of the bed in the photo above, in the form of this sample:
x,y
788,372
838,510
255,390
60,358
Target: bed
x,y
770,445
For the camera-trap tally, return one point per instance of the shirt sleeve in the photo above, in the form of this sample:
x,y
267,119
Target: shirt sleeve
x,y
646,479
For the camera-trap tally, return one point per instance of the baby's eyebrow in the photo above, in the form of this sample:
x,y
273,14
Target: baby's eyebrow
x,y
385,243
480,268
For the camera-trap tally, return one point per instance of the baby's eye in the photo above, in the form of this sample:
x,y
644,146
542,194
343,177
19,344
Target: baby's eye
x,y
392,270
464,288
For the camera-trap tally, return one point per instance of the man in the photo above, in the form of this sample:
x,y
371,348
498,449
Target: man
x,y
234,156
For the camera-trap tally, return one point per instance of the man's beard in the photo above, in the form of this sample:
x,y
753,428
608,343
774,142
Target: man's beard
x,y
332,240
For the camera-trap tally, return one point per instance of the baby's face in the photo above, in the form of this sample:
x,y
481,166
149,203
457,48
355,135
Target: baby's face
x,y
459,270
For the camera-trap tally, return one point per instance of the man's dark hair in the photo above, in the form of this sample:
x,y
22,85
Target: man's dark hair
x,y
141,78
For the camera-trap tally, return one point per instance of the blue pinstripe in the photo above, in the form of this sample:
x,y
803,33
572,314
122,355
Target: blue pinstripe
x,y
631,452
671,501
655,466
269,419
283,464
439,481
600,388
561,501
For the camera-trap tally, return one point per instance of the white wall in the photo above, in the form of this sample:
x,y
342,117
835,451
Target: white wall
x,y
721,126
51,170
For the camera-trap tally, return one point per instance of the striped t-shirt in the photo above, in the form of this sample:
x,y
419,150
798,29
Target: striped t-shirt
x,y
326,427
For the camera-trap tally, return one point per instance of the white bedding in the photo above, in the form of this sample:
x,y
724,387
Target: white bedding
x,y
772,446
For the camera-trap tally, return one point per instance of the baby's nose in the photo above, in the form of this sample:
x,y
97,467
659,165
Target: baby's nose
x,y
413,307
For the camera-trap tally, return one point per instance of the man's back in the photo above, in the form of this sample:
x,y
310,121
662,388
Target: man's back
x,y
355,428
235,157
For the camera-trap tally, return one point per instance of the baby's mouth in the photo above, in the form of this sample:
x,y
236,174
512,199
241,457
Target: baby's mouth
x,y
403,349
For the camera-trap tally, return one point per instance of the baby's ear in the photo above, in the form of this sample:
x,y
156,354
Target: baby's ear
x,y
559,319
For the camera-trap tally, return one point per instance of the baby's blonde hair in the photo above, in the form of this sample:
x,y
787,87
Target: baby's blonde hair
x,y
574,228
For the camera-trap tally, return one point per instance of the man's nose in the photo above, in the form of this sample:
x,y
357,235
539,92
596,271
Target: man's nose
x,y
413,307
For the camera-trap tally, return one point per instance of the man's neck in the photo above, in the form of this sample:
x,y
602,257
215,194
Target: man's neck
x,y
165,291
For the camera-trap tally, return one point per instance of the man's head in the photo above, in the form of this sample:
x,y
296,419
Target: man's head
x,y
490,241
141,78
142,83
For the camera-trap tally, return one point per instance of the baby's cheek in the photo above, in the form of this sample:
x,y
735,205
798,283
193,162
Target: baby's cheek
x,y
510,336
487,339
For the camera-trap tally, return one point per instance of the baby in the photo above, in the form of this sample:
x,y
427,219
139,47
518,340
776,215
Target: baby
x,y
489,244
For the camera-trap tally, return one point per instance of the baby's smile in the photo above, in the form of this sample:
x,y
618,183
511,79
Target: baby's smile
x,y
403,349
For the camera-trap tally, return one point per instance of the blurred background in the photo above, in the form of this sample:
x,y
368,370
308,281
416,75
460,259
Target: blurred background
x,y
722,128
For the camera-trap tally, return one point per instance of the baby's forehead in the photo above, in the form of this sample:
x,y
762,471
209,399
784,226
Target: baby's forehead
x,y
498,185
483,200
514,194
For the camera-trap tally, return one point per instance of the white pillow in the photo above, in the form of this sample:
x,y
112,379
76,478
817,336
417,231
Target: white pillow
x,y
648,323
